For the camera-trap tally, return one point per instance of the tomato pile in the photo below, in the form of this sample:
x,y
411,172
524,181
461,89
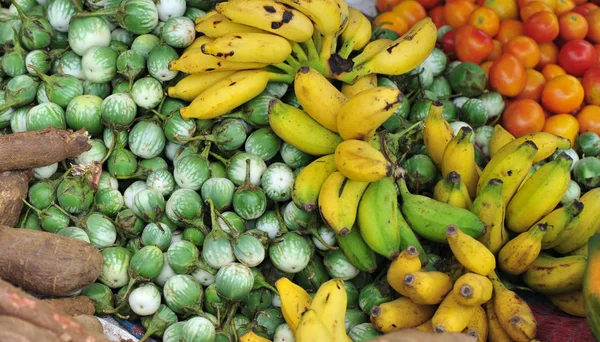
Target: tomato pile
x,y
543,56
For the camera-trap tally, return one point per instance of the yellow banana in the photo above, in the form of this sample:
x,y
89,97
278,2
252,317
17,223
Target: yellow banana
x,y
472,254
473,289
227,94
366,111
489,207
329,304
571,303
401,313
309,181
270,16
459,156
437,133
578,231
539,196
425,327
513,313
519,253
251,336
557,220
357,34
298,129
312,329
325,14
294,301
452,191
195,62
499,139
496,332
401,56
583,250
371,50
197,43
511,169
551,276
362,84
329,41
218,25
407,262
191,86
249,48
338,202
451,315
547,144
359,161
427,287
318,97
478,325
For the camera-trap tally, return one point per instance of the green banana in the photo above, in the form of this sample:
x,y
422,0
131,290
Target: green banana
x,y
578,232
550,275
378,218
357,251
409,238
430,218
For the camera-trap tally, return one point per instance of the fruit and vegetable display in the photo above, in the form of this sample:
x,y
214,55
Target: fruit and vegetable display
x,y
293,170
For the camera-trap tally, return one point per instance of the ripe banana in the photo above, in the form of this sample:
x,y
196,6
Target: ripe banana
x,y
407,262
499,139
511,169
489,207
371,50
357,251
295,301
338,202
552,276
547,144
300,130
378,218
459,156
473,289
519,253
269,16
191,86
329,304
197,43
318,97
309,181
401,56
218,25
195,62
452,191
325,14
249,48
251,336
371,108
451,315
583,250
478,325
557,220
571,303
539,196
430,218
496,332
401,313
472,254
227,94
364,83
359,161
578,231
427,287
311,328
425,327
437,133
356,35
513,313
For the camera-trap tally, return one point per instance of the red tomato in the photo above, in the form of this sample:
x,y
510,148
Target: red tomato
x,y
523,117
591,85
576,56
448,40
542,27
562,94
597,47
572,26
589,119
472,44
585,8
507,75
437,16
427,4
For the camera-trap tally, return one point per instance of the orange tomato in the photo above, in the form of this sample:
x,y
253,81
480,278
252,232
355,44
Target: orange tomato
x,y
572,26
562,94
496,51
437,16
457,12
486,20
523,117
525,49
563,125
506,9
507,75
410,11
548,54
542,27
393,22
550,3
564,6
386,5
580,2
485,66
534,86
585,8
532,8
597,47
593,19
551,71
509,29
589,119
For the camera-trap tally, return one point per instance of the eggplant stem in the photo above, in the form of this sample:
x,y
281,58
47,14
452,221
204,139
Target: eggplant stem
x,y
407,131
234,231
73,218
219,158
111,148
282,226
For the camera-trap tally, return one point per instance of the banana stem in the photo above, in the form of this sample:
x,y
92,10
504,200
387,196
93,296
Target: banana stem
x,y
284,78
288,69
313,54
299,52
347,48
293,62
327,47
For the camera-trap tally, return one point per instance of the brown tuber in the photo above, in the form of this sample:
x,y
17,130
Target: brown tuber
x,y
13,190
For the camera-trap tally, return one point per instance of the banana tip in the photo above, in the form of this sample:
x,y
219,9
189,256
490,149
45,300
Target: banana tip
x,y
409,279
376,311
304,70
439,329
344,232
412,250
466,291
451,230
310,207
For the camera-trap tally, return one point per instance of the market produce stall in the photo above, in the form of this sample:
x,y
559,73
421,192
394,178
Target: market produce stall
x,y
291,170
